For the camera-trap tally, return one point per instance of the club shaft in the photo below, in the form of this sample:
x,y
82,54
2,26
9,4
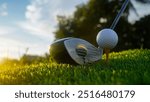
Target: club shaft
x,y
119,14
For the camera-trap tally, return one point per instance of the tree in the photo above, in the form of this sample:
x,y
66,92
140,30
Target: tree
x,y
141,33
90,18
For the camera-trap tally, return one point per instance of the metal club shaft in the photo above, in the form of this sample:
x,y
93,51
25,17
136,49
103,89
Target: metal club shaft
x,y
119,14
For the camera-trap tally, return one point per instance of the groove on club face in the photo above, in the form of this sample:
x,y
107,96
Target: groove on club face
x,y
81,50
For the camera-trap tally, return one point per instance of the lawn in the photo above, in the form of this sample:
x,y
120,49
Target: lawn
x,y
126,67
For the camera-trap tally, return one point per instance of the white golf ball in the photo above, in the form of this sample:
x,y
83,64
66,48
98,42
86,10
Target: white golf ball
x,y
107,38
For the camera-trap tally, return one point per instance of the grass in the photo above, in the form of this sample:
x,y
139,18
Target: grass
x,y
126,67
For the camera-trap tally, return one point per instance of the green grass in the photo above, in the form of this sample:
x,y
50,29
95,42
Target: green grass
x,y
126,67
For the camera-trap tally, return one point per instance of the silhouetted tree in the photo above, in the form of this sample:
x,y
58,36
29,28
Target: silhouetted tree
x,y
90,18
141,35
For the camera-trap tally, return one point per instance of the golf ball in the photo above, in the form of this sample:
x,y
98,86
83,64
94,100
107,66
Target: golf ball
x,y
107,38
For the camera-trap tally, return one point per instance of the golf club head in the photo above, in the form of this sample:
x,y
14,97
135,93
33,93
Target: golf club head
x,y
74,51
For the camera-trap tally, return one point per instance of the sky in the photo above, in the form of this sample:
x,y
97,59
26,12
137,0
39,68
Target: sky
x,y
29,24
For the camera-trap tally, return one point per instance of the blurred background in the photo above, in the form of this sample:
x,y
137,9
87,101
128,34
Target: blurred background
x,y
28,27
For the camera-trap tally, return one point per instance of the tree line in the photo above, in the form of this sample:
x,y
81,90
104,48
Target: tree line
x,y
90,18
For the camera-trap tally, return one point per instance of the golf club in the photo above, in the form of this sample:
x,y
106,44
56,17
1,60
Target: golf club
x,y
119,14
116,20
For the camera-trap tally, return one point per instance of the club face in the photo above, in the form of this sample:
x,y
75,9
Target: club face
x,y
93,54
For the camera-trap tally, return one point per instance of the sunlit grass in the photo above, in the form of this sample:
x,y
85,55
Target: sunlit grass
x,y
126,67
